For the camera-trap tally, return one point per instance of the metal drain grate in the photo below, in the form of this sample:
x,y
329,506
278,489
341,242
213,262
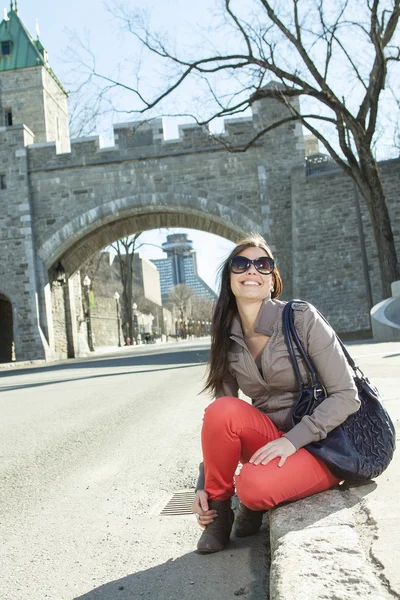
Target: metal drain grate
x,y
180,504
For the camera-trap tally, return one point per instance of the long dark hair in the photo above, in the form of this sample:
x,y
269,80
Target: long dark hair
x,y
224,311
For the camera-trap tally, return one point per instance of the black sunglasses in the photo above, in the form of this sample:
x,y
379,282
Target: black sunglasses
x,y
241,264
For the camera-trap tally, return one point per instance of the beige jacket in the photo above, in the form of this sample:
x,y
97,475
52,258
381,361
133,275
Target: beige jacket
x,y
276,391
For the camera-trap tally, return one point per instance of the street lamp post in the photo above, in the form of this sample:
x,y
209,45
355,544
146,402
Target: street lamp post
x,y
116,296
135,322
86,283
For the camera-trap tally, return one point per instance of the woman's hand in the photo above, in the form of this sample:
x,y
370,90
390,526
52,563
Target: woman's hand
x,y
281,447
200,509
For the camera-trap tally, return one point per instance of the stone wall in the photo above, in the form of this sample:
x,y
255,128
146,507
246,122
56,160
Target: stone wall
x,y
59,306
37,101
56,111
279,151
327,257
86,199
104,322
6,331
78,324
17,243
22,91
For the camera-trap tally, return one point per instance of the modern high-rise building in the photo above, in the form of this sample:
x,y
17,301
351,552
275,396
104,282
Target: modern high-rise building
x,y
180,267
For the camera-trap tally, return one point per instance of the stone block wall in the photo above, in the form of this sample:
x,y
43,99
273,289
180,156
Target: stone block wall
x,y
391,184
79,193
56,111
104,322
6,331
22,91
327,257
78,320
18,260
37,101
280,149
60,322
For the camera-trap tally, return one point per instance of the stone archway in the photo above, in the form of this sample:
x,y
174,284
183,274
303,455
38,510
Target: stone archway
x,y
93,230
76,241
6,330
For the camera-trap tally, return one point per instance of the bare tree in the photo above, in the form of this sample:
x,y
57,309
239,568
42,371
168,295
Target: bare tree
x,y
315,50
125,249
180,298
83,116
202,308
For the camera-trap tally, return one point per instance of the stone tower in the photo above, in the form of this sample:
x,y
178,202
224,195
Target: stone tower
x,y
33,108
30,92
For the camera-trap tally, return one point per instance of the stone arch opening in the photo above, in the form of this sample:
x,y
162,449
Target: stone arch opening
x,y
76,240
6,330
83,236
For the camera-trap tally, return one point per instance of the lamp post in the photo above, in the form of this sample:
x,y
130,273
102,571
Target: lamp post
x,y
116,296
86,283
135,322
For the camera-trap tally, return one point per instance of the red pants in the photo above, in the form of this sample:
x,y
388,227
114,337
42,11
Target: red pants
x,y
232,431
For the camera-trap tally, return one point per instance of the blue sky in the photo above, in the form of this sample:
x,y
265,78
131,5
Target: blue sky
x,y
90,20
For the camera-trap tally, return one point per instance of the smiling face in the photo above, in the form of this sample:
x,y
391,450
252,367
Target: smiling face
x,y
252,285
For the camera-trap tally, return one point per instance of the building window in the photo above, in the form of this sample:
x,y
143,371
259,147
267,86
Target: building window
x,y
3,184
8,119
6,48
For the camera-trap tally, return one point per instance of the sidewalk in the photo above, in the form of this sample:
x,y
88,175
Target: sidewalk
x,y
345,544
105,351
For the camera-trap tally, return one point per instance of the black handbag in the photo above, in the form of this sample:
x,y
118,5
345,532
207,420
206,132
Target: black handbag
x,y
362,447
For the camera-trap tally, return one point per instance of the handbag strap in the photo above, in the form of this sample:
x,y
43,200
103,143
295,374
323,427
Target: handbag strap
x,y
291,334
288,337
300,347
307,361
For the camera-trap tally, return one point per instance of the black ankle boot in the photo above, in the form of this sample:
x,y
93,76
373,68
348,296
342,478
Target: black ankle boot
x,y
216,535
247,522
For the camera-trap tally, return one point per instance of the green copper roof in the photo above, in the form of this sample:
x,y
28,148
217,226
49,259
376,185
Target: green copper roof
x,y
22,51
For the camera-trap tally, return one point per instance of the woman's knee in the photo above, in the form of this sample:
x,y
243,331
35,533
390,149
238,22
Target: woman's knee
x,y
223,408
253,489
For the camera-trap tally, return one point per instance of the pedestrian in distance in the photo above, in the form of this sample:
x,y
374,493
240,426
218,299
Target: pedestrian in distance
x,y
249,353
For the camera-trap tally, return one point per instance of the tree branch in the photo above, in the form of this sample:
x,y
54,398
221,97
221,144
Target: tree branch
x,y
239,26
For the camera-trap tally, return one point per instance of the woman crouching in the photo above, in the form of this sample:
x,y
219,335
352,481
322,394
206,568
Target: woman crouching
x,y
248,352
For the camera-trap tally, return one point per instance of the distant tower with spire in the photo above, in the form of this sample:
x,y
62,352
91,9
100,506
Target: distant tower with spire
x,y
30,93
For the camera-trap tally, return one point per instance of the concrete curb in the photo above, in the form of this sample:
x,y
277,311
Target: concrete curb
x,y
22,364
317,553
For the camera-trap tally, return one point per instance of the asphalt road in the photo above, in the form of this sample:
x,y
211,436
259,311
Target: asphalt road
x,y
90,453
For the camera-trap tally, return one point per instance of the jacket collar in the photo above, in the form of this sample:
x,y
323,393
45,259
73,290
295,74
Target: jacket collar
x,y
268,316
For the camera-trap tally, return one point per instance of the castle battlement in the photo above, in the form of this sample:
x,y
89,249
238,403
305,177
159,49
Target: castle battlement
x,y
140,140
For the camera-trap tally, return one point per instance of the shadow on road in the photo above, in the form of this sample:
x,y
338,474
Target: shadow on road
x,y
165,361
180,357
23,386
240,571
